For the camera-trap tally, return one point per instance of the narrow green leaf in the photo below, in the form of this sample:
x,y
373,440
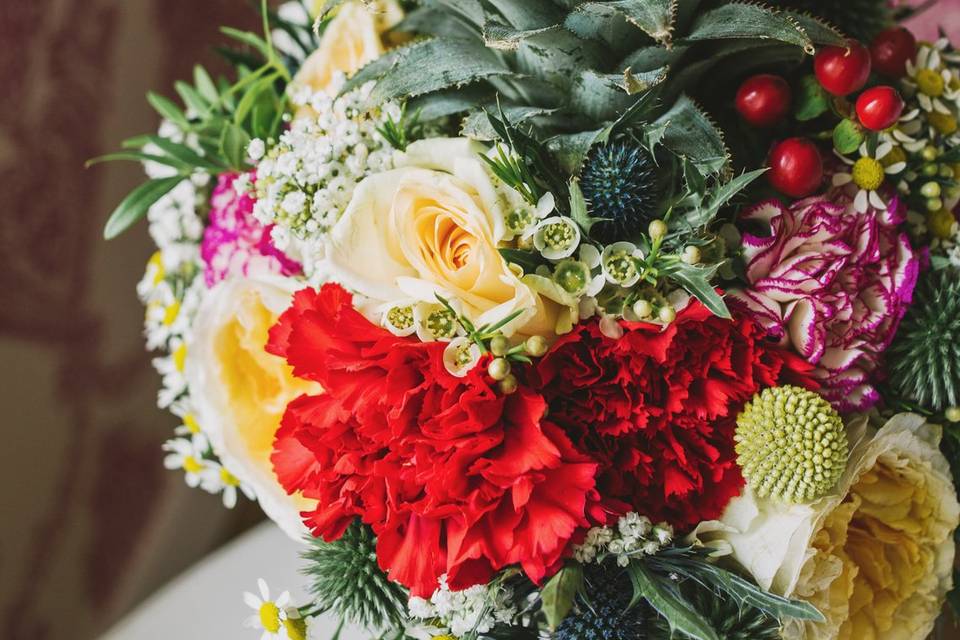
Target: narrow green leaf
x,y
168,109
137,203
250,39
233,146
205,85
526,260
721,196
578,208
528,14
557,596
752,595
186,155
679,614
136,156
696,281
250,97
191,98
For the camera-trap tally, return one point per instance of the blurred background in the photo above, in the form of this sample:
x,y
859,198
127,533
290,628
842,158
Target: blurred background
x,y
90,523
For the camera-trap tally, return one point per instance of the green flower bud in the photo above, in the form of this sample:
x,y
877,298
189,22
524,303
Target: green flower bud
x,y
930,190
667,314
691,255
536,346
499,345
509,384
791,444
657,229
952,414
930,154
643,308
499,369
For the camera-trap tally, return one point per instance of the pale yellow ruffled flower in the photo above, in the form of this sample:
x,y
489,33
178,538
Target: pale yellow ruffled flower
x,y
875,556
352,39
240,391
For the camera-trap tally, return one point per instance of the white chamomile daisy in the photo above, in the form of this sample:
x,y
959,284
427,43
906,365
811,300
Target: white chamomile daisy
x,y
184,454
189,426
935,84
273,616
867,174
171,368
215,478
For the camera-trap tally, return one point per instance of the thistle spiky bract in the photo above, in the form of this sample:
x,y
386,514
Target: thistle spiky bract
x,y
620,184
604,611
924,359
346,579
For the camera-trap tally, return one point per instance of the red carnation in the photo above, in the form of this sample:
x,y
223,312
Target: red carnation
x,y
657,408
452,477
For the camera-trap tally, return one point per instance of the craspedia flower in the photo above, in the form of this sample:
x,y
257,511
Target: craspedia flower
x,y
346,579
619,182
604,611
924,360
791,444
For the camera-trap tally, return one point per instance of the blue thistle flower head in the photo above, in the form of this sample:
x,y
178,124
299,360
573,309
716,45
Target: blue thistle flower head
x,y
619,182
604,612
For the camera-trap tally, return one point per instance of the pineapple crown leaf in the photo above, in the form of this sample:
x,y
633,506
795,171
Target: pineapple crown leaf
x,y
737,20
688,131
653,17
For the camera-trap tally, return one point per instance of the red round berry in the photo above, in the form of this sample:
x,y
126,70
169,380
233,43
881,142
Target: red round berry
x,y
763,100
891,50
796,168
841,70
879,108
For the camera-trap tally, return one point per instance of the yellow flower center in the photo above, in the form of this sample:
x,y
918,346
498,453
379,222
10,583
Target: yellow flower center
x,y
270,617
944,123
868,174
228,478
156,261
180,357
445,637
190,422
940,223
930,82
171,312
895,156
296,628
192,465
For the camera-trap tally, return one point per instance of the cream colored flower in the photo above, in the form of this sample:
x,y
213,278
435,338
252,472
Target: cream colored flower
x,y
433,227
875,556
352,39
240,392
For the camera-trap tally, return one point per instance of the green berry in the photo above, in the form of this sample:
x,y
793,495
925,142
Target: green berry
x,y
499,369
509,384
499,345
667,314
536,346
791,444
657,229
930,190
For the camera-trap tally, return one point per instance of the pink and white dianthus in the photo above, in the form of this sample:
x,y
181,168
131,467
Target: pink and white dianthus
x,y
235,243
833,284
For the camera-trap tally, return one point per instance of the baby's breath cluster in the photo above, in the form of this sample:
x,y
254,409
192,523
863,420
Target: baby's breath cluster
x,y
791,444
634,535
305,182
458,613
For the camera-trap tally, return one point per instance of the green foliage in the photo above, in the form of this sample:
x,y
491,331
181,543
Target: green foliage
x,y
558,594
346,580
401,132
217,119
861,19
728,617
924,360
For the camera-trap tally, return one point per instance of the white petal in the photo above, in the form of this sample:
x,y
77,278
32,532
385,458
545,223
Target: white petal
x,y
264,589
860,202
840,179
251,600
877,201
883,150
896,167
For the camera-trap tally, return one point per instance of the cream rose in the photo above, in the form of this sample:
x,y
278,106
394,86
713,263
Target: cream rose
x,y
875,556
240,391
351,40
433,227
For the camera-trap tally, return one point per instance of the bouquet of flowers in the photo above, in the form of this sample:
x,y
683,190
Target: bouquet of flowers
x,y
579,319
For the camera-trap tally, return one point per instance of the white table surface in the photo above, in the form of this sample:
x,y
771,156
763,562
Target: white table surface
x,y
206,602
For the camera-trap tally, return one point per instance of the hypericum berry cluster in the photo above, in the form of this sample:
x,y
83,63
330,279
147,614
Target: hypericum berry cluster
x,y
475,610
305,182
634,535
791,444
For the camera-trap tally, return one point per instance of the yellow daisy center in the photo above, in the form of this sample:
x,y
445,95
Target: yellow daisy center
x,y
192,465
156,261
228,478
180,359
940,223
895,156
944,123
190,422
296,629
930,82
171,312
868,174
270,617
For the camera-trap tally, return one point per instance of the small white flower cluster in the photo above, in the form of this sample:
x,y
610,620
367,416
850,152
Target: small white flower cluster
x,y
634,535
305,182
477,609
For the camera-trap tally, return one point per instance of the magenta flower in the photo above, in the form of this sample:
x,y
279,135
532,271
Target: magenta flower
x,y
833,284
234,242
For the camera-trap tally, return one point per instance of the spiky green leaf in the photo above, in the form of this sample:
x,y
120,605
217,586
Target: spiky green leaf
x,y
741,20
654,17
689,133
665,599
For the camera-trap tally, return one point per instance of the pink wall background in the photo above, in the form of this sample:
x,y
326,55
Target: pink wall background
x,y
945,14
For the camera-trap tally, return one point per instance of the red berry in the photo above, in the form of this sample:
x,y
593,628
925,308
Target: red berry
x,y
796,168
879,108
763,100
840,70
891,50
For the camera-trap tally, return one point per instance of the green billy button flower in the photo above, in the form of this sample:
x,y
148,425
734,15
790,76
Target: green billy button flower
x,y
791,444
